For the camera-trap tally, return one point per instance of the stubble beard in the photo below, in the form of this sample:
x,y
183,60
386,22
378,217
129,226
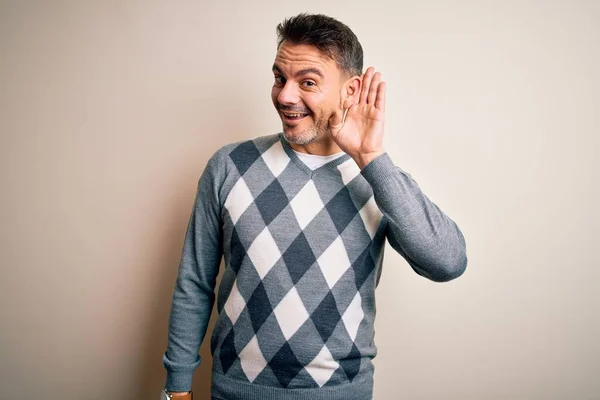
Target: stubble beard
x,y
317,131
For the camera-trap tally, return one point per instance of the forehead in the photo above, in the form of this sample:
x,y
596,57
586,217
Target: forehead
x,y
293,57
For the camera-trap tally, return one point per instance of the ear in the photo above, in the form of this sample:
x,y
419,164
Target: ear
x,y
351,91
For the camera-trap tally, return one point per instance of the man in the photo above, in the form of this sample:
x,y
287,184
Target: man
x,y
301,219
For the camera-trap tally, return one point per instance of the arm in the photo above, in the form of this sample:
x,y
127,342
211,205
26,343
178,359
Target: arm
x,y
417,229
429,240
193,297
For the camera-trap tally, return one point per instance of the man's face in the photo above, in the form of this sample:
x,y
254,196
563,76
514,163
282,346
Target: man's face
x,y
306,92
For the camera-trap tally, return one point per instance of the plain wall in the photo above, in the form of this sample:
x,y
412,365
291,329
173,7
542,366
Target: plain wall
x,y
109,112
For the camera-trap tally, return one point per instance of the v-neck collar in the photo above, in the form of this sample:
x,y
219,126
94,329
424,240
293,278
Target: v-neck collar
x,y
298,162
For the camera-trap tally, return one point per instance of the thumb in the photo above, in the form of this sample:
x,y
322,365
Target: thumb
x,y
336,121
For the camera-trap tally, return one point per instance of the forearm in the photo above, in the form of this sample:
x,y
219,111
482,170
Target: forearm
x,y
427,238
193,297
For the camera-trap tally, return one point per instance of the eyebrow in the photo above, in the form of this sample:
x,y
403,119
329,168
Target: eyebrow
x,y
302,72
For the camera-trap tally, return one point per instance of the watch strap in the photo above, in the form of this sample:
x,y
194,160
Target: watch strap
x,y
187,396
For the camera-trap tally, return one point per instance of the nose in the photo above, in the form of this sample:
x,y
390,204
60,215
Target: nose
x,y
289,94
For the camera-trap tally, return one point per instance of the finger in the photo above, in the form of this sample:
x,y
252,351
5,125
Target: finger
x,y
380,101
366,83
374,87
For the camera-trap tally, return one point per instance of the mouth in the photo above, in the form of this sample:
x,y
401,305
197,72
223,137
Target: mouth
x,y
293,117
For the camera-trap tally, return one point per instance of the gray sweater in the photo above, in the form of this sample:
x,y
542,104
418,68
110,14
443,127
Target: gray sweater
x,y
302,252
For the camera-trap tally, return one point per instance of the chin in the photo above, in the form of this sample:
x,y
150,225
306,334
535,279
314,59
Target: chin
x,y
301,138
301,133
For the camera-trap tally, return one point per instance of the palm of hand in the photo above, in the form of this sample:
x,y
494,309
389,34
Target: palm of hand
x,y
360,133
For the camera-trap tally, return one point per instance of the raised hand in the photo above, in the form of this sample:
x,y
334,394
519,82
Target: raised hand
x,y
360,132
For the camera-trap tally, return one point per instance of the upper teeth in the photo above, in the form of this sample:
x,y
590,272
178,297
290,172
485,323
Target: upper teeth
x,y
294,115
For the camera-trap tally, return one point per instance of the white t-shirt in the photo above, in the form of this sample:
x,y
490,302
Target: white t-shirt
x,y
313,161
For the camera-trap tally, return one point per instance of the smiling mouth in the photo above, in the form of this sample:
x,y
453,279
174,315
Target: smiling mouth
x,y
293,116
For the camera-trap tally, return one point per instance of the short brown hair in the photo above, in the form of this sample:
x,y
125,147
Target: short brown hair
x,y
329,35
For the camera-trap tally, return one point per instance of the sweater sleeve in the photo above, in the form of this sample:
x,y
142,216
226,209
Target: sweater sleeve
x,y
428,239
194,296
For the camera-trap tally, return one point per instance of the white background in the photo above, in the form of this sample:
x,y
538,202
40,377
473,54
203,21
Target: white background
x,y
109,111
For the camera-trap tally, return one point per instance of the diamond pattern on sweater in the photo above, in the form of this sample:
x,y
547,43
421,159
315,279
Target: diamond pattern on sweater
x,y
334,262
326,317
341,209
260,176
363,266
297,251
306,204
299,257
353,316
342,295
351,364
238,200
259,307
285,229
290,313
252,360
285,365
322,367
276,159
303,380
306,334
247,279
320,233
264,253
339,342
228,353
270,337
267,378
235,305
246,227
244,155
349,170
312,288
371,216
237,252
271,201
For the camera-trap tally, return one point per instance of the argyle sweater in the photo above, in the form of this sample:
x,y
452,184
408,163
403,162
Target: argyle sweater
x,y
302,254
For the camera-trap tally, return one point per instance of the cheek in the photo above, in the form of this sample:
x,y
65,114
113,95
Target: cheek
x,y
327,102
317,103
324,108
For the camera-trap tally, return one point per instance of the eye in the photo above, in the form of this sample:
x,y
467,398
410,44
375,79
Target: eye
x,y
309,83
279,80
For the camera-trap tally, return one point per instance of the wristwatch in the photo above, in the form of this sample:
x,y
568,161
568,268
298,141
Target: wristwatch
x,y
166,396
